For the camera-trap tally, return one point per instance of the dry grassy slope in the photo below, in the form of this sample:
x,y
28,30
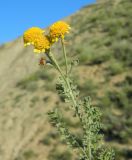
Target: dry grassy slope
x,y
16,62
24,100
17,124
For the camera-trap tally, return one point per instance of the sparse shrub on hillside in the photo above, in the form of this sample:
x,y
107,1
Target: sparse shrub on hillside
x,y
126,82
57,155
44,75
122,51
46,98
30,84
46,141
49,87
84,53
18,97
34,100
112,26
114,68
51,136
31,87
90,56
28,155
120,105
99,58
88,87
90,146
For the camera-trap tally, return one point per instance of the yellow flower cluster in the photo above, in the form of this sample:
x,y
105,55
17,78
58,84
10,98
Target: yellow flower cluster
x,y
31,35
58,30
41,42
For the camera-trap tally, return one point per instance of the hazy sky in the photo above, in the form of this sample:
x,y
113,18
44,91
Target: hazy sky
x,y
18,15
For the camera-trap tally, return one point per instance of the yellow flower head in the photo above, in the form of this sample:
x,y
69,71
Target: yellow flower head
x,y
31,35
58,30
41,44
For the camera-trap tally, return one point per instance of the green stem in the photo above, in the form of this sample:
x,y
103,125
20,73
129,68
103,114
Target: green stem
x,y
65,57
71,93
55,63
66,79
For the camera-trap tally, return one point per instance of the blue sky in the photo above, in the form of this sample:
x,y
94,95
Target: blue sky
x,y
18,15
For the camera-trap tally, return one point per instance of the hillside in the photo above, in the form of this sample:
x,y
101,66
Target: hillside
x,y
101,39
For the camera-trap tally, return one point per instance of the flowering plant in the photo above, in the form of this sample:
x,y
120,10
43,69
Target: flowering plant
x,y
91,146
